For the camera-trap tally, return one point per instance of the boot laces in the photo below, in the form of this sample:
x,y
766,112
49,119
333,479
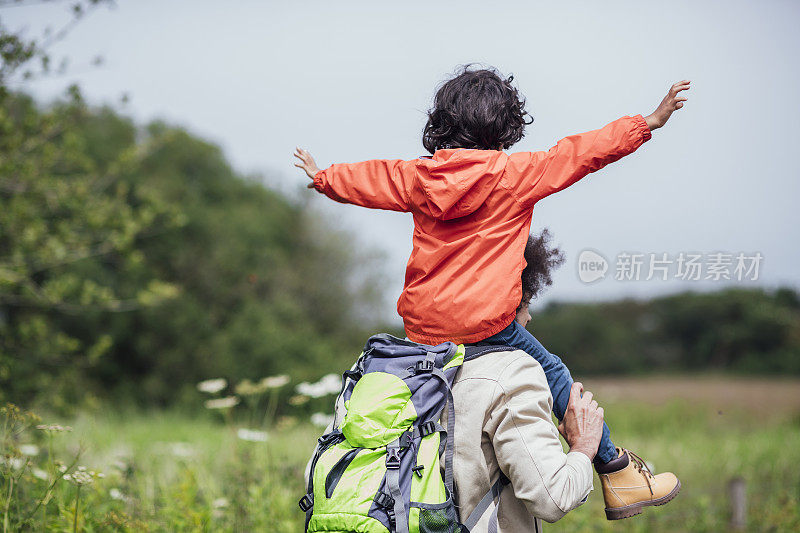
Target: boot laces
x,y
640,465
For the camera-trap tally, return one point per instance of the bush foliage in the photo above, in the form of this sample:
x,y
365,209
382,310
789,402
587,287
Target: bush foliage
x,y
136,261
736,330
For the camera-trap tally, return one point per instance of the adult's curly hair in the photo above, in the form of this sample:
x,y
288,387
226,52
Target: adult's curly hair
x,y
542,259
477,108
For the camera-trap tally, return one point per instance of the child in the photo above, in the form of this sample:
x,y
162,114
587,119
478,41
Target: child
x,y
472,206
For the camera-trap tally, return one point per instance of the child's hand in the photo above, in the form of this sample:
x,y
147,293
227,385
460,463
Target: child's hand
x,y
307,164
670,103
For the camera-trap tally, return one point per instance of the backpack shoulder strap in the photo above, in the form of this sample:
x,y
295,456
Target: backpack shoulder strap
x,y
491,495
474,351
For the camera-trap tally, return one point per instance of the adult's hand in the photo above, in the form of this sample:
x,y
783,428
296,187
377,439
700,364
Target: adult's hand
x,y
582,426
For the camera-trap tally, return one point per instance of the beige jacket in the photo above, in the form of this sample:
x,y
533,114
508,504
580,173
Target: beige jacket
x,y
503,422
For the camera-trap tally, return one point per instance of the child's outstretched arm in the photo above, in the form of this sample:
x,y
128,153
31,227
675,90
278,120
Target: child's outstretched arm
x,y
378,183
535,175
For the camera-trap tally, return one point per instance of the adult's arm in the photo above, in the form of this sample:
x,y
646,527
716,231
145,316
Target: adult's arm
x,y
526,444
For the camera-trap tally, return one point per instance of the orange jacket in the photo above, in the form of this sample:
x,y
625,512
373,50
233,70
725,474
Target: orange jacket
x,y
472,214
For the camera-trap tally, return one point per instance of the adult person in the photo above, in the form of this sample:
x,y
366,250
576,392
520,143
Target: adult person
x,y
504,425
503,410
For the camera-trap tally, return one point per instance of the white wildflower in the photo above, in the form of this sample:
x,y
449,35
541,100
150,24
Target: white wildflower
x,y
275,382
53,428
14,462
117,494
252,435
218,506
82,476
305,389
212,386
31,450
331,383
321,419
222,403
38,473
219,503
328,384
181,449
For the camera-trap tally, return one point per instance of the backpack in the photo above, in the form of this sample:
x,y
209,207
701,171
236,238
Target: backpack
x,y
378,468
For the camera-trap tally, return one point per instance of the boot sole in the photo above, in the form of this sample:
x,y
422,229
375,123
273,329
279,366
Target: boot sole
x,y
632,510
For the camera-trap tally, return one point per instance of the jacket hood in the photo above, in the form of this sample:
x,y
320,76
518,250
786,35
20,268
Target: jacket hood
x,y
456,182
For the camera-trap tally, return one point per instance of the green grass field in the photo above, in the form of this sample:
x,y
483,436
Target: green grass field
x,y
167,472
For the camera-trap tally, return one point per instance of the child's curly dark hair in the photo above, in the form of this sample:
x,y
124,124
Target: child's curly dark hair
x,y
541,259
477,108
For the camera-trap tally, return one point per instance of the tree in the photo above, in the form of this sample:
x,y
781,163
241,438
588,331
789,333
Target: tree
x,y
136,260
70,223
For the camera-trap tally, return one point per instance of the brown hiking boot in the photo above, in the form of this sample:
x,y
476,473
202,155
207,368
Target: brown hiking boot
x,y
628,485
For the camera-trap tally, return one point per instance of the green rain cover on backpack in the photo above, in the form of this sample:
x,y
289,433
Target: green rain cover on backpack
x,y
378,470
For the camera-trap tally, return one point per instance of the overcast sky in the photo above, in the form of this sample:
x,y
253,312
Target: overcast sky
x,y
352,80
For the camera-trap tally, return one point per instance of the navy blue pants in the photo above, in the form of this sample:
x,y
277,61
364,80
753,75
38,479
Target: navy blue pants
x,y
558,377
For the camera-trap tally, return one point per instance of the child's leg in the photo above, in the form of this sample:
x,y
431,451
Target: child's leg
x,y
558,377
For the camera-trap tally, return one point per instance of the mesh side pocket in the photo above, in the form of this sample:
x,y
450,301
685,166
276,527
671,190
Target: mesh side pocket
x,y
439,518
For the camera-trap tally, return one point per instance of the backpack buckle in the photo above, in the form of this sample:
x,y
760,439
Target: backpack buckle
x,y
306,502
384,500
427,428
392,458
423,366
328,439
354,375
